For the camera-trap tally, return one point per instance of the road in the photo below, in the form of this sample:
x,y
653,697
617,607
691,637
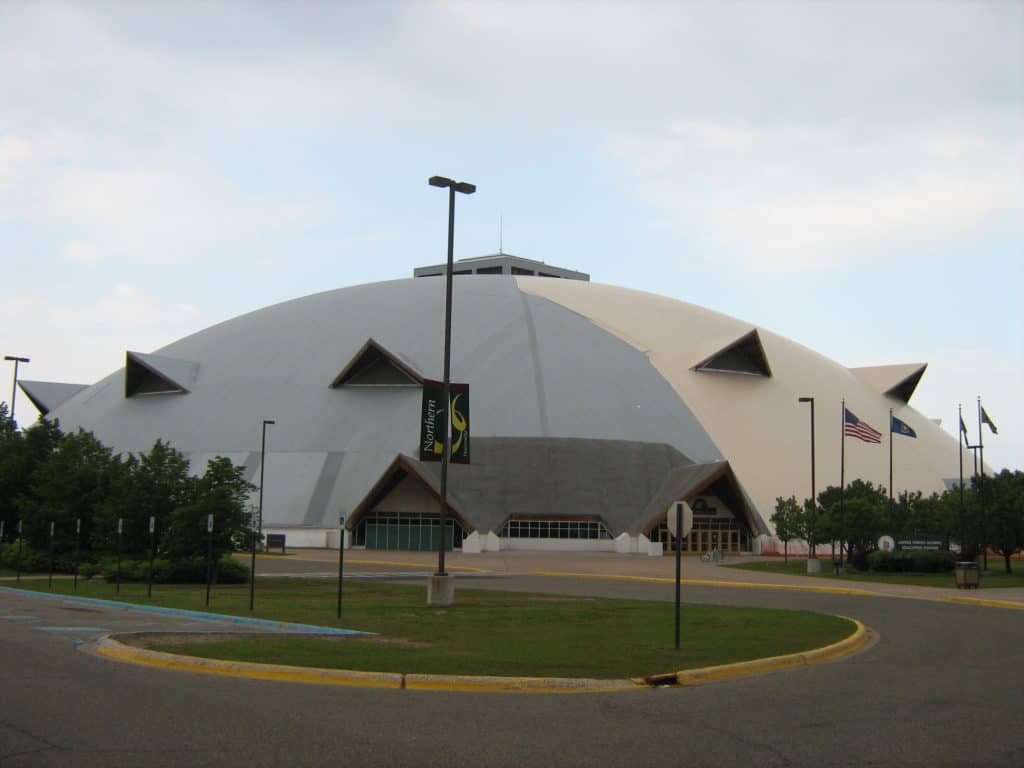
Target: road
x,y
942,687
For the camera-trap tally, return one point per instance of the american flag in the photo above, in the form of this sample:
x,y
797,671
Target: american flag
x,y
854,427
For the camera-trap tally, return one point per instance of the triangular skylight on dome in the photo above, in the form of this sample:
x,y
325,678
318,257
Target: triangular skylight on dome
x,y
374,366
47,395
157,375
745,356
898,381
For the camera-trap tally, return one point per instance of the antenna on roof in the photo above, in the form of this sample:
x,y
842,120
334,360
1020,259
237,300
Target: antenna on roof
x,y
500,234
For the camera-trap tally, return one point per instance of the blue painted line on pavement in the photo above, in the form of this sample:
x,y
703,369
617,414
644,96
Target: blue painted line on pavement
x,y
183,612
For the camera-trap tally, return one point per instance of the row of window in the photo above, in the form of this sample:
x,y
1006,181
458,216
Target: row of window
x,y
554,529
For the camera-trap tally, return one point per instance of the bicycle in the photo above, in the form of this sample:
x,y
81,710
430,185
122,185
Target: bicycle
x,y
713,555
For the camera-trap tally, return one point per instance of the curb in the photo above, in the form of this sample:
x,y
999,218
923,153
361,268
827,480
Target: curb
x,y
112,648
860,639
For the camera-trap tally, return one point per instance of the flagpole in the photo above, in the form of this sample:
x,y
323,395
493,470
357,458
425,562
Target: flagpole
x,y
890,469
981,491
842,485
960,436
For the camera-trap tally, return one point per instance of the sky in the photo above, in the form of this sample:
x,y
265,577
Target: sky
x,y
849,175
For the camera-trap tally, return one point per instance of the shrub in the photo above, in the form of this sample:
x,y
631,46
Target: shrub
x,y
191,570
915,560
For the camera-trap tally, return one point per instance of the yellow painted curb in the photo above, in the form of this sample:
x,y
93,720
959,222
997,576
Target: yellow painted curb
x,y
983,602
860,638
114,649
714,583
496,684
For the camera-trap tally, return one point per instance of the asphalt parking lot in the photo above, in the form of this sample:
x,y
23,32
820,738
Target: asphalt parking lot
x,y
942,687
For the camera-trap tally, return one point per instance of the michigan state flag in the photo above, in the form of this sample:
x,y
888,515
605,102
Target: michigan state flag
x,y
900,427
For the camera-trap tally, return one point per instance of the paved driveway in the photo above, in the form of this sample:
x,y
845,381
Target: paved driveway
x,y
941,688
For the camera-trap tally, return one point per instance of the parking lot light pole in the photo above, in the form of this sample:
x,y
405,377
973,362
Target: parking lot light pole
x,y
14,392
466,189
258,533
814,499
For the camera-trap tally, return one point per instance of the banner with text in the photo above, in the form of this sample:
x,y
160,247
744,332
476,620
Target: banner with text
x,y
432,422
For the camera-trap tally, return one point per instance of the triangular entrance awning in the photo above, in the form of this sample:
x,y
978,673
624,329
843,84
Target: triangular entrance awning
x,y
47,395
374,366
401,468
156,375
898,381
745,355
687,483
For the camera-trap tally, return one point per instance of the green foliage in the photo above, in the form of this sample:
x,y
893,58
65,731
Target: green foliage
x,y
190,570
916,561
788,520
1005,502
859,519
221,492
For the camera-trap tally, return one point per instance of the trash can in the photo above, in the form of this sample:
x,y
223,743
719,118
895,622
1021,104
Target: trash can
x,y
967,575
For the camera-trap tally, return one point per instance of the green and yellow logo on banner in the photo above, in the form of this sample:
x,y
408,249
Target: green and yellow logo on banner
x,y
432,422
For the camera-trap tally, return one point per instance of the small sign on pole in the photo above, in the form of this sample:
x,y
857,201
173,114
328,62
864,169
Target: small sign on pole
x,y
341,557
679,518
687,519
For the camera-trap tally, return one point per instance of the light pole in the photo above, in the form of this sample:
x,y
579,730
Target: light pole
x,y
813,555
14,391
258,533
467,189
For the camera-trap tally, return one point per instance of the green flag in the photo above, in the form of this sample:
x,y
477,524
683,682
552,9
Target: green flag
x,y
986,420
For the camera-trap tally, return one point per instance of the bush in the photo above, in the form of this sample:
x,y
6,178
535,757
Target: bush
x,y
34,560
190,570
915,561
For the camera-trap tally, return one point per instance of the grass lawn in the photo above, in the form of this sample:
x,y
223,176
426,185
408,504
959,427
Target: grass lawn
x,y
993,578
486,632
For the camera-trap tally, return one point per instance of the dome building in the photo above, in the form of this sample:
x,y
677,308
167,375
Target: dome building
x,y
594,407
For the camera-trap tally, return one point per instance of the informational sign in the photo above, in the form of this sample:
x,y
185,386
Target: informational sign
x,y
209,523
928,541
670,518
120,525
152,523
432,422
341,521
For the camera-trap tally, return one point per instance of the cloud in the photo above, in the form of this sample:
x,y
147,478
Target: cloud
x,y
779,199
85,341
157,215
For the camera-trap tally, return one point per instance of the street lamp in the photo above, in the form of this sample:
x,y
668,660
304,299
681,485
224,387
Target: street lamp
x,y
467,189
14,392
259,530
813,555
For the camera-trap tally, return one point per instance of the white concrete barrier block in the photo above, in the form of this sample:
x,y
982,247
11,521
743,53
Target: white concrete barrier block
x,y
492,542
471,545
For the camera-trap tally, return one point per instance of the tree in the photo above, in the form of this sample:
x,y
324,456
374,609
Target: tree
x,y
859,520
1005,496
67,485
21,453
222,492
788,520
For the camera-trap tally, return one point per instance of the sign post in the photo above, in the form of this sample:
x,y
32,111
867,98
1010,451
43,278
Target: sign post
x,y
120,530
341,558
152,554
49,582
679,518
209,556
19,549
78,547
